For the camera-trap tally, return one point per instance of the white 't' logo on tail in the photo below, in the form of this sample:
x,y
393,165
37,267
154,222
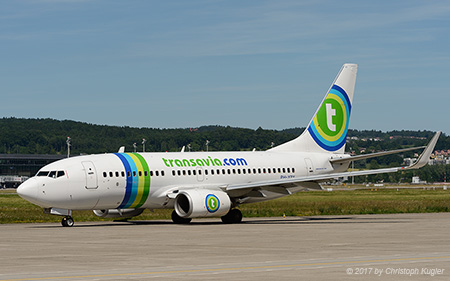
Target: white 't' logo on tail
x,y
330,113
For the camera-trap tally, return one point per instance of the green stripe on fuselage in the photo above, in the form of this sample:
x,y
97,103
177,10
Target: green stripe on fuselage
x,y
146,180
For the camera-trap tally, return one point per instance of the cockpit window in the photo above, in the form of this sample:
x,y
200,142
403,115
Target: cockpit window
x,y
52,174
42,174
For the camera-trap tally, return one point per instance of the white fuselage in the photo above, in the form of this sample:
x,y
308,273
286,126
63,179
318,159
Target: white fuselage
x,y
143,180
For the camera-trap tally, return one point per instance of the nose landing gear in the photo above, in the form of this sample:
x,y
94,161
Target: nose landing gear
x,y
67,221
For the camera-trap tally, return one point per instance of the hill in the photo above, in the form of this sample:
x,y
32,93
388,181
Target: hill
x,y
48,136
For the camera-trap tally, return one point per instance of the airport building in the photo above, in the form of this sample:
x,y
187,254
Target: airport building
x,y
16,168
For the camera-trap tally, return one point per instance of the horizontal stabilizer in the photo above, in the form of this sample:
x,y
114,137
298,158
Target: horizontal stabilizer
x,y
372,155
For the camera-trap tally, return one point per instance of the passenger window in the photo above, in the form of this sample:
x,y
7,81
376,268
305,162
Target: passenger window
x,y
173,172
264,170
189,172
259,170
157,173
193,172
234,171
223,171
293,170
284,170
123,174
288,170
151,173
117,174
140,173
105,174
243,171
279,170
179,172
134,173
229,171
110,174
212,172
206,172
249,171
184,172
239,171
60,174
162,173
274,170
129,174
254,171
146,173
268,170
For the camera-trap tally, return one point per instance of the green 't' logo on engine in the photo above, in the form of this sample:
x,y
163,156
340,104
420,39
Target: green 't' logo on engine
x,y
212,203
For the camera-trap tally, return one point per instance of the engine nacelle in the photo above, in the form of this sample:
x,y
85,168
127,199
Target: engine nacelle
x,y
118,213
199,203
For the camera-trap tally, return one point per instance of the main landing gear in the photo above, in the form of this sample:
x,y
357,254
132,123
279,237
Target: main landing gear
x,y
67,221
179,220
233,216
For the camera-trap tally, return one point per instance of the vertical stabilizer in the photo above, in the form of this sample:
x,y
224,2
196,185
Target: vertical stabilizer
x,y
327,130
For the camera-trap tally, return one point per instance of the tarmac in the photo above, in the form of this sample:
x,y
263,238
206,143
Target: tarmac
x,y
354,247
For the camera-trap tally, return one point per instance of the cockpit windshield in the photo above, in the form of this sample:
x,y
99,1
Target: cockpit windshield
x,y
50,174
42,174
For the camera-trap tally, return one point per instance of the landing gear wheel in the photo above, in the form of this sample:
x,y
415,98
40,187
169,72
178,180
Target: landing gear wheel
x,y
179,220
233,216
67,221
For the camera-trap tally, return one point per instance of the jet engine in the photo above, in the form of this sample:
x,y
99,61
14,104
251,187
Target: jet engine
x,y
197,203
118,213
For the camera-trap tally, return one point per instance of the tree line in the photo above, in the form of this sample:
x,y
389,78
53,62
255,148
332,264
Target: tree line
x,y
48,136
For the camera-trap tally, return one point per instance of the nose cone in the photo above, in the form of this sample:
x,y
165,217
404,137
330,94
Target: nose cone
x,y
29,190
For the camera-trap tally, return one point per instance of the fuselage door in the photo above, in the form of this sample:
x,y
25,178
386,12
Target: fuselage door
x,y
91,175
309,166
200,175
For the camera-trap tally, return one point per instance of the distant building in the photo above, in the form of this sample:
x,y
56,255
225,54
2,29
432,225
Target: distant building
x,y
416,180
16,168
409,161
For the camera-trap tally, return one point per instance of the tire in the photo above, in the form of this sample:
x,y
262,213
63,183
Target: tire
x,y
233,216
179,220
67,222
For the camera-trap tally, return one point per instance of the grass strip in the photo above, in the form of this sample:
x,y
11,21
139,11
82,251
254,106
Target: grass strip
x,y
14,209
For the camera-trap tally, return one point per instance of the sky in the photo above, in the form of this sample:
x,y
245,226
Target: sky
x,y
250,64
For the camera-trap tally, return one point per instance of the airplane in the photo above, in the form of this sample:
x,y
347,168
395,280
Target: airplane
x,y
208,184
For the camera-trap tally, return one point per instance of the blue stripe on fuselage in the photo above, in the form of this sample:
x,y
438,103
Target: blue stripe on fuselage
x,y
129,185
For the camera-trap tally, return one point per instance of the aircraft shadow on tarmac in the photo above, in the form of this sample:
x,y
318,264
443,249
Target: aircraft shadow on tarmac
x,y
247,221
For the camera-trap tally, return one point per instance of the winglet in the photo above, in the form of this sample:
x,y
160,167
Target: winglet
x,y
425,156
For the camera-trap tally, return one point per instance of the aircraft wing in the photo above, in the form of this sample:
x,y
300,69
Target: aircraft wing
x,y
314,178
421,161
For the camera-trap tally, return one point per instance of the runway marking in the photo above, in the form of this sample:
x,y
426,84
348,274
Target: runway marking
x,y
229,268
